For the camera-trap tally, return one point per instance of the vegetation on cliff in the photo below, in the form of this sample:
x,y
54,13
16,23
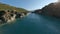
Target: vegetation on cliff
x,y
9,7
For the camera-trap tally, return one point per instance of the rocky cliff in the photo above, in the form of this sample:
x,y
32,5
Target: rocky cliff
x,y
52,9
8,16
10,13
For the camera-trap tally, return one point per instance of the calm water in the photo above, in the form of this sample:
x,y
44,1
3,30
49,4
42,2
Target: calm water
x,y
33,24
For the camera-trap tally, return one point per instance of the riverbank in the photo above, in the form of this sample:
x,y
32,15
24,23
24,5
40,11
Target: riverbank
x,y
10,13
7,16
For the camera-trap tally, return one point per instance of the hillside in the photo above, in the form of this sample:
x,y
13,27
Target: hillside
x,y
10,13
8,7
52,9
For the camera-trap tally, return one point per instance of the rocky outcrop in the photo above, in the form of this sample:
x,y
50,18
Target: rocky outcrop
x,y
9,15
53,9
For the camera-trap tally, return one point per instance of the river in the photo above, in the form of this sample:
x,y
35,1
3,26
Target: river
x,y
33,24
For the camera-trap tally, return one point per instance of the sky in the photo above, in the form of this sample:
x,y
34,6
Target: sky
x,y
28,4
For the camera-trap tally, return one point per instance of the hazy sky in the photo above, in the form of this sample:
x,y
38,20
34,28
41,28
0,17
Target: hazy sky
x,y
28,4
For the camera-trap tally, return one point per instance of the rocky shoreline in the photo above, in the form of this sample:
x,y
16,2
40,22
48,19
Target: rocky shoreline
x,y
10,15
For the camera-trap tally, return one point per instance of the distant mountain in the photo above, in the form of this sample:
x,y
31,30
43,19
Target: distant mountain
x,y
9,7
52,9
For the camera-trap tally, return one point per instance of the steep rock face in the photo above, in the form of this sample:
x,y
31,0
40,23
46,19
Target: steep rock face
x,y
2,13
52,9
8,16
1,16
9,13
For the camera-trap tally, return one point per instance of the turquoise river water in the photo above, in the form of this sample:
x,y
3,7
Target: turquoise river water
x,y
33,24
